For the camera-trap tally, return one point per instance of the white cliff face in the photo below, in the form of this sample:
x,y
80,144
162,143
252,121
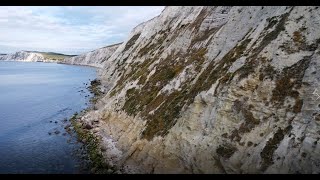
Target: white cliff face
x,y
214,90
28,56
94,58
22,56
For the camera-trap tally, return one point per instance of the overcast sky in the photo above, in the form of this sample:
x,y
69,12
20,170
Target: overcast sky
x,y
71,30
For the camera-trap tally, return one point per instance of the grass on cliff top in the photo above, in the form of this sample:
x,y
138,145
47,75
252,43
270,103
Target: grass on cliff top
x,y
55,56
52,55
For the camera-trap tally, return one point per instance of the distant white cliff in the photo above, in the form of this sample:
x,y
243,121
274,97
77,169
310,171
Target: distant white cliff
x,y
94,58
34,56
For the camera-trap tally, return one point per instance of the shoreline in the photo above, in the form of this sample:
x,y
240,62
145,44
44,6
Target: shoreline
x,y
79,65
50,61
90,140
45,61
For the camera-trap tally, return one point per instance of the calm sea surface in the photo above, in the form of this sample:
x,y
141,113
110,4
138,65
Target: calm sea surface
x,y
35,99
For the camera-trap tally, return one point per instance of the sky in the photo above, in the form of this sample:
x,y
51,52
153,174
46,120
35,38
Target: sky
x,y
68,29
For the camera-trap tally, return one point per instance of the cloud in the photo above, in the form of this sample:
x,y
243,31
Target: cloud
x,y
68,29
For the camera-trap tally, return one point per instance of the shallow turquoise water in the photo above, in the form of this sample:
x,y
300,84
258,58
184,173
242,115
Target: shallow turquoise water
x,y
35,98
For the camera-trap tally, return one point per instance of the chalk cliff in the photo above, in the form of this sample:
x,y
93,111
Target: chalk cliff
x,y
213,90
94,58
33,56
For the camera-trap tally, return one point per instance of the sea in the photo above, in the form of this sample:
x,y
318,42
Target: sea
x,y
36,102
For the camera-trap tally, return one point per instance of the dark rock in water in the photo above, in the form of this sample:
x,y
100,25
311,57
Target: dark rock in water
x,y
50,121
56,122
88,126
49,133
57,132
95,82
67,126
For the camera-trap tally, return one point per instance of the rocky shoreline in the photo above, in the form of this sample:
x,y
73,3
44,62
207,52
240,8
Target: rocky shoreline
x,y
87,135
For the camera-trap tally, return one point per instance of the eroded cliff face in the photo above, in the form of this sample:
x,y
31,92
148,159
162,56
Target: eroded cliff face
x,y
214,90
22,56
34,56
94,58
